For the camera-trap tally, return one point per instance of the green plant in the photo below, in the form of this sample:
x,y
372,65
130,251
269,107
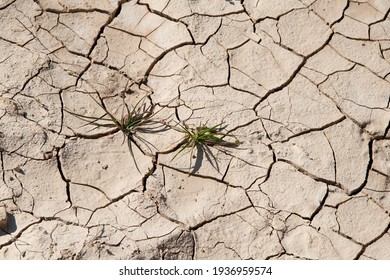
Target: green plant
x,y
202,137
137,118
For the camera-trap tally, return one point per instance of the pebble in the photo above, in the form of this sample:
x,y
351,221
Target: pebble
x,y
3,217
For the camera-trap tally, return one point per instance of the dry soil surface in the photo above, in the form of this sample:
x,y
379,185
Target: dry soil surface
x,y
304,85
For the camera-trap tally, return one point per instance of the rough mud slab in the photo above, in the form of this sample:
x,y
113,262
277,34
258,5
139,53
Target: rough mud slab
x,y
194,129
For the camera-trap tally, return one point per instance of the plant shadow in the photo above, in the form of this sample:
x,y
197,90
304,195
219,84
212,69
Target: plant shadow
x,y
11,226
203,151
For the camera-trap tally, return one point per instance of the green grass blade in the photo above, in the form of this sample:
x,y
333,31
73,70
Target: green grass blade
x,y
146,143
210,157
191,155
181,150
85,118
113,119
129,144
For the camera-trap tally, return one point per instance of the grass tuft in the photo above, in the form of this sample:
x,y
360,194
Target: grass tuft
x,y
202,137
134,119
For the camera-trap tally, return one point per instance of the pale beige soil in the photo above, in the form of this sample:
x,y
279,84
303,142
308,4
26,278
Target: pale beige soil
x,y
304,85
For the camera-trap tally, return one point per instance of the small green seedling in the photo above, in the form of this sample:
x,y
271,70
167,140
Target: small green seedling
x,y
202,137
137,118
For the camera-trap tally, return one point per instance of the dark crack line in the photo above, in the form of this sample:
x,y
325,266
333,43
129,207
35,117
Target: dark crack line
x,y
62,111
386,134
321,206
344,113
161,56
74,33
112,201
7,5
2,164
173,220
231,154
14,198
381,173
358,104
200,176
279,16
94,136
116,13
243,125
19,234
356,62
205,222
92,187
74,11
295,73
160,14
327,75
67,181
227,169
385,17
193,236
268,174
213,34
38,72
334,157
312,176
313,130
15,43
215,16
149,173
99,35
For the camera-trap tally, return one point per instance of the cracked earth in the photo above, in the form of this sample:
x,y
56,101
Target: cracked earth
x,y
304,85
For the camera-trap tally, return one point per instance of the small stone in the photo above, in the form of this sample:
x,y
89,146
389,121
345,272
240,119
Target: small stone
x,y
3,217
48,155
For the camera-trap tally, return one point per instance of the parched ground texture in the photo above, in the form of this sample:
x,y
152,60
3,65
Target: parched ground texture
x,y
303,84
